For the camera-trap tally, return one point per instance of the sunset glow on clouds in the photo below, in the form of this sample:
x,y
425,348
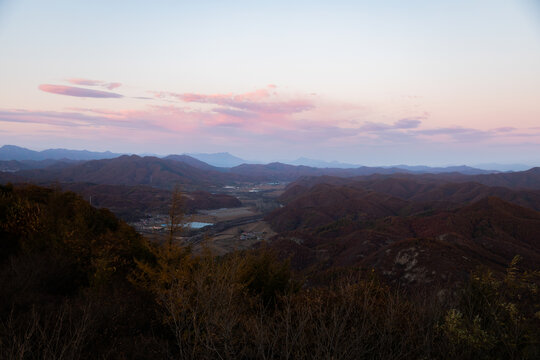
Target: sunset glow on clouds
x,y
369,84
250,118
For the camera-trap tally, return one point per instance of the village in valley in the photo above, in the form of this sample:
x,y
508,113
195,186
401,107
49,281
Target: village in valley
x,y
221,230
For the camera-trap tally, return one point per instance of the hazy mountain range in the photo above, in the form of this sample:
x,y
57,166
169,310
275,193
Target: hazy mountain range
x,y
30,159
412,223
192,173
12,152
223,159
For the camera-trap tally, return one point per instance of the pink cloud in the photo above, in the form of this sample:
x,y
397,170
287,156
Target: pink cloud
x,y
264,112
71,119
402,124
88,82
77,91
236,113
261,116
238,126
259,101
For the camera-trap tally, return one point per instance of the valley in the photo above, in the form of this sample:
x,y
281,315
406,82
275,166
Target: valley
x,y
315,243
225,229
412,228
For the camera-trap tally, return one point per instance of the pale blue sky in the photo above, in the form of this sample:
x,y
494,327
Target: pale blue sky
x,y
468,73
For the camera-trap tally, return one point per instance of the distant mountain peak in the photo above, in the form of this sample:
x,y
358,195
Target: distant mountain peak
x,y
304,161
190,160
13,152
221,159
12,147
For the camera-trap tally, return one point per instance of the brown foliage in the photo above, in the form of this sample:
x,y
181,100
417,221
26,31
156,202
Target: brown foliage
x,y
80,284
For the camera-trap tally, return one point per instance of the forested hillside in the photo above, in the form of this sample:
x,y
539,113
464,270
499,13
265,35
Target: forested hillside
x,y
78,283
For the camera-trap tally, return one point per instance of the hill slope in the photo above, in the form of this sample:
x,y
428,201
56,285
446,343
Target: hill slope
x,y
131,170
433,233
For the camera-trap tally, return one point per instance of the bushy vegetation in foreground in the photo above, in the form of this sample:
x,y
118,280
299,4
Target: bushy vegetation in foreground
x,y
78,283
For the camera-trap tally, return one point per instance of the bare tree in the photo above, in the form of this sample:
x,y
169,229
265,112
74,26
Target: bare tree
x,y
176,214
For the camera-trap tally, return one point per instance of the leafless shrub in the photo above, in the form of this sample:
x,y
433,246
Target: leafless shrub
x,y
33,335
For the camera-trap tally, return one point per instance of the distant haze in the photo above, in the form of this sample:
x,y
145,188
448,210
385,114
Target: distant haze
x,y
225,160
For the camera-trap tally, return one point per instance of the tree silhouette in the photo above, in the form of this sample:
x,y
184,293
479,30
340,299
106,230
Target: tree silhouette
x,y
176,214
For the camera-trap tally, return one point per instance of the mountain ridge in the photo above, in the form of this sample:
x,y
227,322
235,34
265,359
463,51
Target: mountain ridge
x,y
223,160
13,152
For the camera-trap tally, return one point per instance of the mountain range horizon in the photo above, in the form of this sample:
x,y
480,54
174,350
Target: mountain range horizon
x,y
225,159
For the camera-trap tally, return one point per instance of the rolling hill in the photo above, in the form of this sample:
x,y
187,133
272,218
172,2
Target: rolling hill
x,y
411,232
131,170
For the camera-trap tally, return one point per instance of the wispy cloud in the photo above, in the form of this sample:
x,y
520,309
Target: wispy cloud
x,y
88,82
461,134
77,91
261,101
223,125
407,123
505,129
402,124
264,116
235,113
70,119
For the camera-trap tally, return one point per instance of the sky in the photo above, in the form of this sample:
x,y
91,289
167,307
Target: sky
x,y
364,82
